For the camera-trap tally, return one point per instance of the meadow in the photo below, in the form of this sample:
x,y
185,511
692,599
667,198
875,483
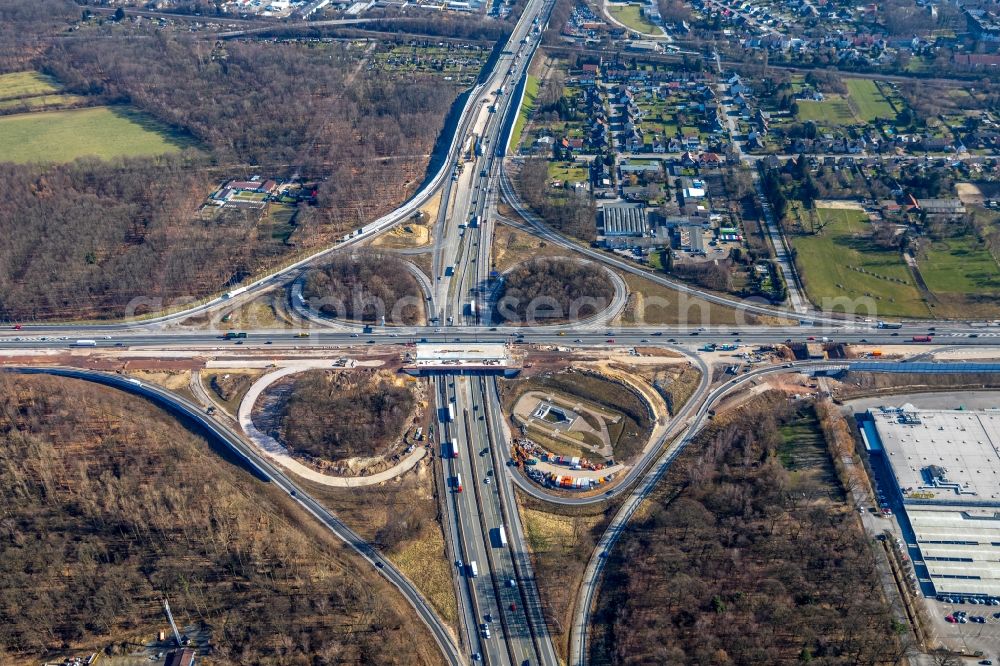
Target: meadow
x,y
105,132
842,261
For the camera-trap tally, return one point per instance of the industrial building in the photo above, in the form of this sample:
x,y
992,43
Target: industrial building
x,y
625,220
945,465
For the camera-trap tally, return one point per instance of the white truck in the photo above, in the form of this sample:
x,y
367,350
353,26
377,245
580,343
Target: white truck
x,y
85,343
473,569
501,536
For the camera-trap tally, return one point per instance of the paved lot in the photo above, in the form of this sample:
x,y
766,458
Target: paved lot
x,y
967,637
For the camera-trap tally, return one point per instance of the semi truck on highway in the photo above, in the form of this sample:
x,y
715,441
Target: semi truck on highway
x,y
458,483
450,414
454,447
500,534
886,324
85,343
473,569
232,336
923,338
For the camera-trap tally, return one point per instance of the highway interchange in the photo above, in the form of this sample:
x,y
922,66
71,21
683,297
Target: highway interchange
x,y
503,589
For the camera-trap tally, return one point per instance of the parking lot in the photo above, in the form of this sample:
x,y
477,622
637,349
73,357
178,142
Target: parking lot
x,y
970,637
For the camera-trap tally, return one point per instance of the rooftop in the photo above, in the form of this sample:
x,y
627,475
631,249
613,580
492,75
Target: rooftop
x,y
624,220
949,457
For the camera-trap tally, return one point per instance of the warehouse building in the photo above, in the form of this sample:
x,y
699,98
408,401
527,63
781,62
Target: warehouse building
x,y
625,220
945,465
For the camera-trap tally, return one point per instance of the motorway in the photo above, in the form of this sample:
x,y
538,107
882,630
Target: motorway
x,y
458,297
64,338
500,607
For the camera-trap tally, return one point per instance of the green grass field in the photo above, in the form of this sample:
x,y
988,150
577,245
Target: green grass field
x,y
833,110
831,264
631,16
869,100
570,171
39,102
23,84
104,132
249,196
959,266
527,107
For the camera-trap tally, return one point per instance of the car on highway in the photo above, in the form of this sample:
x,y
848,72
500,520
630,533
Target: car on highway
x,y
476,656
611,341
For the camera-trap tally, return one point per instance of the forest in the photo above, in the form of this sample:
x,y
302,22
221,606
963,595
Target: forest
x,y
97,235
365,286
733,564
110,504
548,289
335,415
564,210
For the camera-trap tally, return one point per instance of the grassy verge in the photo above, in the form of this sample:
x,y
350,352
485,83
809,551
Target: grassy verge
x,y
527,107
400,518
229,386
560,546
